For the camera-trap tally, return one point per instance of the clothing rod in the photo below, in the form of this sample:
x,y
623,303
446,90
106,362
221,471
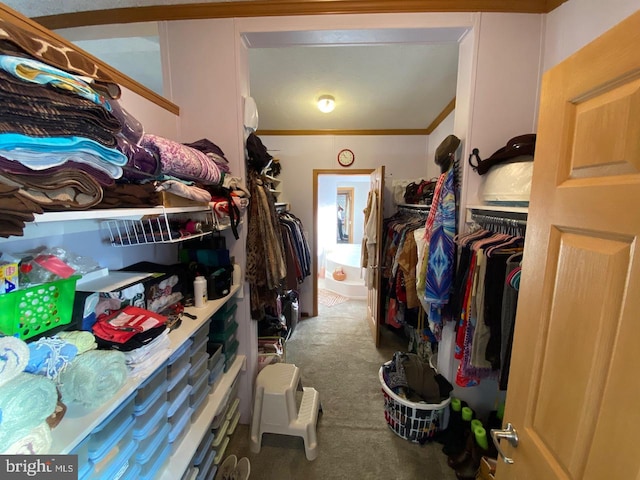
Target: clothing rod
x,y
495,220
410,206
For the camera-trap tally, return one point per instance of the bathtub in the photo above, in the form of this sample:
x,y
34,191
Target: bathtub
x,y
347,257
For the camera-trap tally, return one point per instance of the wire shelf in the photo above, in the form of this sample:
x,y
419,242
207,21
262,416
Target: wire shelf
x,y
160,228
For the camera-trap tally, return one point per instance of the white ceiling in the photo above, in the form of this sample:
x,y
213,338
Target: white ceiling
x,y
381,79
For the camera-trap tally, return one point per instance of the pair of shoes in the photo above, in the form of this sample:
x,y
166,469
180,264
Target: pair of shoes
x,y
233,469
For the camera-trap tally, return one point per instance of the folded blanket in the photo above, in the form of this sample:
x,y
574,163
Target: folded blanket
x,y
34,71
93,377
102,170
128,196
100,176
14,38
32,109
14,358
37,441
213,151
83,341
66,189
183,161
25,402
131,127
12,144
186,191
49,356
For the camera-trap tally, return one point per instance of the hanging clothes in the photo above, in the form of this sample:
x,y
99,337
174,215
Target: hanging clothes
x,y
478,298
266,267
296,250
370,238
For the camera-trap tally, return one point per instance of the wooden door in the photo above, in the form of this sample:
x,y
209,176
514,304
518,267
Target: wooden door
x,y
374,300
573,389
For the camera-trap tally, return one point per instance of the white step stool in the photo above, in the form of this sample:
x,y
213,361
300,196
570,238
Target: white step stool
x,y
274,407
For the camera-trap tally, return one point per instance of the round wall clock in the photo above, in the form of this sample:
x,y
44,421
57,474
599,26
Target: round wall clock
x,y
346,157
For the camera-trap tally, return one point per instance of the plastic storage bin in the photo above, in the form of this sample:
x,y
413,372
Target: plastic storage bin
x,y
151,446
151,469
203,448
34,310
206,465
118,466
179,359
102,457
111,429
226,337
223,318
416,422
180,429
199,338
215,352
143,433
82,451
198,367
151,386
216,373
179,405
143,413
230,355
175,388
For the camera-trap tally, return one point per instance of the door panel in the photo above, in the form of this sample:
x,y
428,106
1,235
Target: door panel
x,y
573,388
374,294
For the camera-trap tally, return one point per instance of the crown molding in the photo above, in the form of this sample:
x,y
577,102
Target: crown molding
x,y
266,8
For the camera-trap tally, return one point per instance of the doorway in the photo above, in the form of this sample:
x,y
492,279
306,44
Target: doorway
x,y
337,262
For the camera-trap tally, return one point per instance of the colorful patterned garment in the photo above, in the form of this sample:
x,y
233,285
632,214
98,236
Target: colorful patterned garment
x,y
440,263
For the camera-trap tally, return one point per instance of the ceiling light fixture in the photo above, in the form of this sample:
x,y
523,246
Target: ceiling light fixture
x,y
326,103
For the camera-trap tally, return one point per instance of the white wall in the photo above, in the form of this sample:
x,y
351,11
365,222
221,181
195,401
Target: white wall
x,y
577,22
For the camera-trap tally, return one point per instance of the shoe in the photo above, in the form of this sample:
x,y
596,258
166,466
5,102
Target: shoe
x,y
227,468
242,470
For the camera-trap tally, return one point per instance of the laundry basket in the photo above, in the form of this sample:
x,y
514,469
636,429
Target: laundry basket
x,y
416,422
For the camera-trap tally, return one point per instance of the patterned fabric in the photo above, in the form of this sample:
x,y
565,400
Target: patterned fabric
x,y
37,72
441,246
266,267
66,189
14,39
35,110
182,161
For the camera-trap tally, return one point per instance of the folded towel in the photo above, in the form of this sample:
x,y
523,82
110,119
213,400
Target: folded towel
x,y
93,377
14,357
49,356
84,341
37,442
25,402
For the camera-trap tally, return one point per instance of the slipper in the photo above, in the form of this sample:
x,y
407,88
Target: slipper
x,y
227,468
243,469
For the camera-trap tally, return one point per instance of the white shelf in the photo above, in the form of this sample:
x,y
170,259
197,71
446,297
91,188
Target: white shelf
x,y
181,458
498,208
99,214
78,421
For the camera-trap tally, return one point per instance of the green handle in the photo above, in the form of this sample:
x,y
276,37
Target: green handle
x,y
500,411
467,414
475,423
456,404
481,437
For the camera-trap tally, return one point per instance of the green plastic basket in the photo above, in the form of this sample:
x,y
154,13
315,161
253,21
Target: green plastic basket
x,y
34,310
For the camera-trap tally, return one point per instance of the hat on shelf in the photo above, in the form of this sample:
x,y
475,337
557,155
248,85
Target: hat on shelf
x,y
445,151
517,149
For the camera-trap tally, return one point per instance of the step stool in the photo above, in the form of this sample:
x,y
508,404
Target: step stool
x,y
274,408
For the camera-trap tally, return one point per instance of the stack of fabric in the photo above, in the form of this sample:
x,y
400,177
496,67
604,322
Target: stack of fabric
x,y
56,110
65,138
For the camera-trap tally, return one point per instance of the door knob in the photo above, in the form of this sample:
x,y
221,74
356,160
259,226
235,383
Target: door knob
x,y
509,433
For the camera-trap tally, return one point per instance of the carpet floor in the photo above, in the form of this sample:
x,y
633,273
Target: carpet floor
x,y
337,357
